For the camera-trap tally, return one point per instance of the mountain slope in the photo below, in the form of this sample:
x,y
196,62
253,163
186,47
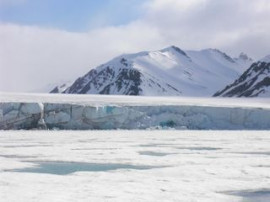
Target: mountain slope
x,y
56,87
170,71
243,60
61,88
255,82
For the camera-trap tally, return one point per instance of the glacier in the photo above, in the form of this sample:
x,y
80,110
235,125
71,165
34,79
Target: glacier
x,y
133,113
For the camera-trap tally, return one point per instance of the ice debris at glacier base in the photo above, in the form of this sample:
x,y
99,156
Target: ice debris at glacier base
x,y
83,117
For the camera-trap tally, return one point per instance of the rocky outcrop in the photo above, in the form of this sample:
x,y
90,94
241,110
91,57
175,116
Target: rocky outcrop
x,y
255,82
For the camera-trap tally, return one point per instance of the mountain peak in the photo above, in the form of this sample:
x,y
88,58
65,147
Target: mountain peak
x,y
212,50
244,57
265,59
176,49
219,52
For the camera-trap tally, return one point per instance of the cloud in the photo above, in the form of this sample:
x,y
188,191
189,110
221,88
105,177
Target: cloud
x,y
204,23
31,57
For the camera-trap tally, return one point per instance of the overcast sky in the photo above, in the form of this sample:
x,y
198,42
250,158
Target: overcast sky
x,y
47,41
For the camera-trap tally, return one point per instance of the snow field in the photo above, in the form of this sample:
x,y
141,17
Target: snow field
x,y
134,166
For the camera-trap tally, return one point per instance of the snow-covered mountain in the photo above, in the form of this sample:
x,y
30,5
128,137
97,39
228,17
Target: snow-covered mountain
x,y
61,87
255,82
54,87
170,71
244,60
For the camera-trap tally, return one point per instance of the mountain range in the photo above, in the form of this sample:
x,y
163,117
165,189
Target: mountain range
x,y
167,72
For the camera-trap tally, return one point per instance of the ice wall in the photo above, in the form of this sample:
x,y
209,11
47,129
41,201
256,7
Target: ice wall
x,y
83,117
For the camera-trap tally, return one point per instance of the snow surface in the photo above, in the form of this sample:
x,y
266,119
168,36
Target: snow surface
x,y
117,112
134,166
118,100
266,59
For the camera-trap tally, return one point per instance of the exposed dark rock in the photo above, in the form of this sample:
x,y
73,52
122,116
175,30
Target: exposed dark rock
x,y
55,90
179,50
127,81
250,84
109,80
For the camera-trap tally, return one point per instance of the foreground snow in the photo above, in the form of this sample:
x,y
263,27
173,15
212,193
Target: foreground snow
x,y
134,166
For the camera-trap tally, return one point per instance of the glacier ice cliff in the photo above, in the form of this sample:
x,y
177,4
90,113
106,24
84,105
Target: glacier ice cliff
x,y
20,115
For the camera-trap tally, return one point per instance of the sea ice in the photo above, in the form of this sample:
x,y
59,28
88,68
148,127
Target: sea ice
x,y
134,166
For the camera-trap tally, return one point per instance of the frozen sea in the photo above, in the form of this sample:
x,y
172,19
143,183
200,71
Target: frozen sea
x,y
170,165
